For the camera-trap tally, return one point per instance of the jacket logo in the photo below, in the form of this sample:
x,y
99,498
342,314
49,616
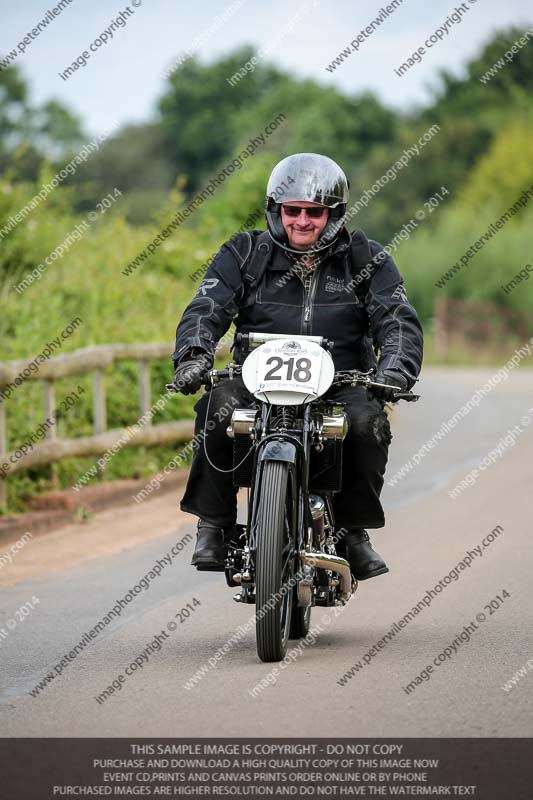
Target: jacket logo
x,y
334,284
207,283
399,293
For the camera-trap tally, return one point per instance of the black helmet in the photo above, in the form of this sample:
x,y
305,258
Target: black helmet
x,y
311,177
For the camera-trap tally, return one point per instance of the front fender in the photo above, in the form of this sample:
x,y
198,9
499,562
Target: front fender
x,y
279,451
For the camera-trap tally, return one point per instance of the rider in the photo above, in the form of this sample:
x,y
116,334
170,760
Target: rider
x,y
314,279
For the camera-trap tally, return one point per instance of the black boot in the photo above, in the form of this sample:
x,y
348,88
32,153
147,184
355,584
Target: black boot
x,y
210,551
364,562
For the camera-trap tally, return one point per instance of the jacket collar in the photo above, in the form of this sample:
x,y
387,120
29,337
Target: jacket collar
x,y
281,262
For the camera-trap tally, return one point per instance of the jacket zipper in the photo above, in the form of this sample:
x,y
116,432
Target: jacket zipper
x,y
310,296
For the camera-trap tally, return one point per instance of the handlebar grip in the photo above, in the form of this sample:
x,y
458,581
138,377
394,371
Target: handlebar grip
x,y
170,387
409,396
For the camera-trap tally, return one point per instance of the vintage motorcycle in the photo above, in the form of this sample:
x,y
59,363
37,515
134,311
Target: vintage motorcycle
x,y
287,450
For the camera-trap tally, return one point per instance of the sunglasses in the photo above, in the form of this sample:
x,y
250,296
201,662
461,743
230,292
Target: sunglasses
x,y
313,213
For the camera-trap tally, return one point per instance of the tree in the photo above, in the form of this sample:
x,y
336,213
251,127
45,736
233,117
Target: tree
x,y
134,161
57,129
200,110
508,87
28,134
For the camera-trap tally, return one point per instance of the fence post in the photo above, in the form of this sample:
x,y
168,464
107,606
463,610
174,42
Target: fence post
x,y
3,450
144,397
144,389
99,409
49,397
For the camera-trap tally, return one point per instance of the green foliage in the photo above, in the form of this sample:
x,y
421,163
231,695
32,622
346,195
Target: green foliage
x,y
504,172
430,252
441,162
89,283
133,161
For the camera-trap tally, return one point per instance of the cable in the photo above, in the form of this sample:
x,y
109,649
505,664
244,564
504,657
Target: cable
x,y
218,469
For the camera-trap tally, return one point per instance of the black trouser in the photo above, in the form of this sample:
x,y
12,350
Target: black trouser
x,y
211,495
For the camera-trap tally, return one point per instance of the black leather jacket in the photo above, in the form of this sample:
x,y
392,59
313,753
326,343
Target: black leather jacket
x,y
382,320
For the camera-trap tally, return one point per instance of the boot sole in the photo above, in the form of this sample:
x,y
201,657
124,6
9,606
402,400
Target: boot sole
x,y
209,568
373,574
211,562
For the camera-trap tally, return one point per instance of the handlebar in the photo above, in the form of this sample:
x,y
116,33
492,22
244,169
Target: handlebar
x,y
353,377
212,377
350,377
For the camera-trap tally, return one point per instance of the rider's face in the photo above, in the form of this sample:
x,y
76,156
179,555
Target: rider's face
x,y
302,230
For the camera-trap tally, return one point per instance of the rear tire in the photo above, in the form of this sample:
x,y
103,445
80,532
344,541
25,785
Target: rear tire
x,y
274,562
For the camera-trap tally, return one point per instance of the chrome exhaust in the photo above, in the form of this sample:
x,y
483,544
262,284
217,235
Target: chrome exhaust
x,y
335,564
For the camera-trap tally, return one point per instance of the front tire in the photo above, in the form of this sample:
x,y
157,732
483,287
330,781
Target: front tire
x,y
274,561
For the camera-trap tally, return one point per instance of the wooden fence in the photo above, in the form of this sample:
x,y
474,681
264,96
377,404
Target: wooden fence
x,y
463,324
93,359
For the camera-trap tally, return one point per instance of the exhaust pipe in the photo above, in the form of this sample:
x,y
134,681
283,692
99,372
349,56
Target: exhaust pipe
x,y
334,563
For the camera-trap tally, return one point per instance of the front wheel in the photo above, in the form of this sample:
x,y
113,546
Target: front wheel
x,y
274,561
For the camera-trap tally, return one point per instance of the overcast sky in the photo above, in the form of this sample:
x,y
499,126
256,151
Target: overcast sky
x,y
123,79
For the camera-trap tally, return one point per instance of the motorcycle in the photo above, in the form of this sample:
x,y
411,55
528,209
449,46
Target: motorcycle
x,y
287,451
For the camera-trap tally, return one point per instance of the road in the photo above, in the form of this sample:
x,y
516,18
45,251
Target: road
x,y
77,574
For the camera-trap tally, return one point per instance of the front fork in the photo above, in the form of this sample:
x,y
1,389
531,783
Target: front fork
x,y
273,446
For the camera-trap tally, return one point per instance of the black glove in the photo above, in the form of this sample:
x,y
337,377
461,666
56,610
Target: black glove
x,y
393,378
191,371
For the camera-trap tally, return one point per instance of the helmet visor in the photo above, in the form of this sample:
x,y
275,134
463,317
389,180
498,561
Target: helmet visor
x,y
309,178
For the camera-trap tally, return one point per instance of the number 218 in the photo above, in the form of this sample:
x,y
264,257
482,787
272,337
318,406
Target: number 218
x,y
299,368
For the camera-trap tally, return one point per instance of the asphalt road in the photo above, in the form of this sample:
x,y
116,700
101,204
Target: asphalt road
x,y
78,573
